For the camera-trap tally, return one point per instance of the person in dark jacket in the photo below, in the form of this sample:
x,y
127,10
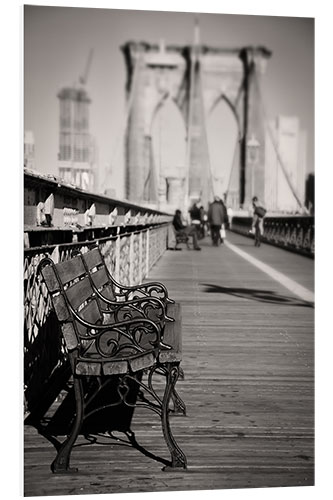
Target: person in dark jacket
x,y
203,222
195,214
217,215
180,228
259,213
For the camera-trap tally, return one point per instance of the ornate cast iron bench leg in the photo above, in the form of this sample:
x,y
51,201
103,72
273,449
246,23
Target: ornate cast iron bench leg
x,y
178,404
178,459
61,463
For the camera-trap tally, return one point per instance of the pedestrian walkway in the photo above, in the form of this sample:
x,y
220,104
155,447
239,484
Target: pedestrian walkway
x,y
248,356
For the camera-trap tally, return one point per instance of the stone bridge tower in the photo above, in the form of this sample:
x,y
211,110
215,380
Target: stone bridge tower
x,y
195,78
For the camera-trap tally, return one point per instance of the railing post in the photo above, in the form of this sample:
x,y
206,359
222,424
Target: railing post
x,y
117,264
131,259
140,256
147,252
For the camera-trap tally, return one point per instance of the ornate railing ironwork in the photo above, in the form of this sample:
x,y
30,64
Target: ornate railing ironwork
x,y
296,233
128,256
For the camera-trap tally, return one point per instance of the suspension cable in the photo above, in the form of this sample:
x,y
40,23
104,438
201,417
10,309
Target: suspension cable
x,y
275,145
237,141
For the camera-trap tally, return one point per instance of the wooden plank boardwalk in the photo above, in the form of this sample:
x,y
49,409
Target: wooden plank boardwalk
x,y
248,358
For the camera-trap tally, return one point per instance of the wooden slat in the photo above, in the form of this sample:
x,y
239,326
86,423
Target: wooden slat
x,y
90,313
88,368
107,292
78,293
92,258
70,269
60,308
140,362
50,278
70,336
100,278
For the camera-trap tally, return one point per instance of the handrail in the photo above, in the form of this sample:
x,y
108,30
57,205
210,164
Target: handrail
x,y
58,213
295,233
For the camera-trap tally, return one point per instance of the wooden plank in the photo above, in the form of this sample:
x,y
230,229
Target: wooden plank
x,y
79,292
70,269
50,278
60,308
90,313
100,278
93,258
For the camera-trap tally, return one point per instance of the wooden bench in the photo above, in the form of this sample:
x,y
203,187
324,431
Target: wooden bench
x,y
181,237
117,347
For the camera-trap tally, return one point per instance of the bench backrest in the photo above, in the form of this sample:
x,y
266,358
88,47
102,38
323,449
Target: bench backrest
x,y
107,347
96,267
70,288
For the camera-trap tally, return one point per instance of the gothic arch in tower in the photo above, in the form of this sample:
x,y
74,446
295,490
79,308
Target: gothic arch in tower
x,y
168,135
223,133
194,77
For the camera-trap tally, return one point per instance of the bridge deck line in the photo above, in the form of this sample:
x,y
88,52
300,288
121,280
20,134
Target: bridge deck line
x,y
248,356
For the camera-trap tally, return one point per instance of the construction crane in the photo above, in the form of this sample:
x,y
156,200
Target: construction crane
x,y
84,77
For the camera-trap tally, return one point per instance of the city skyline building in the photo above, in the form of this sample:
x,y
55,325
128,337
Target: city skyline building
x,y
77,150
290,143
29,149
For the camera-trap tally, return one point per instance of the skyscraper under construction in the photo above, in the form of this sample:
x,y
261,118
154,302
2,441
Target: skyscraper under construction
x,y
76,155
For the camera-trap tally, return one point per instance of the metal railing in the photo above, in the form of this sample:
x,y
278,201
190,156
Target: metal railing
x,y
58,213
296,233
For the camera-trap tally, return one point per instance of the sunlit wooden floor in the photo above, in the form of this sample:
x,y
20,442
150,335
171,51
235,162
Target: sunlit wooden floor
x,y
248,356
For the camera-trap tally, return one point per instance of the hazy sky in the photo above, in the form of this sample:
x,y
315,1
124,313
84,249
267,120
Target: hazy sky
x,y
57,41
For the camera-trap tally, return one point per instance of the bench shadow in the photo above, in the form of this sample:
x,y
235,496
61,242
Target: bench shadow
x,y
103,428
266,296
106,439
129,440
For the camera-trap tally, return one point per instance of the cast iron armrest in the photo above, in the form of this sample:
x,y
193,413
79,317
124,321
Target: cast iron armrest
x,y
154,286
123,328
134,304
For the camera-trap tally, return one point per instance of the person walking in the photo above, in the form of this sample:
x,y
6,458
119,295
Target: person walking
x,y
259,213
225,222
190,230
203,222
195,215
217,215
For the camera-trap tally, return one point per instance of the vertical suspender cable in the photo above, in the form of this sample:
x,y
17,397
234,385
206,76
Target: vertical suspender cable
x,y
237,142
276,148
